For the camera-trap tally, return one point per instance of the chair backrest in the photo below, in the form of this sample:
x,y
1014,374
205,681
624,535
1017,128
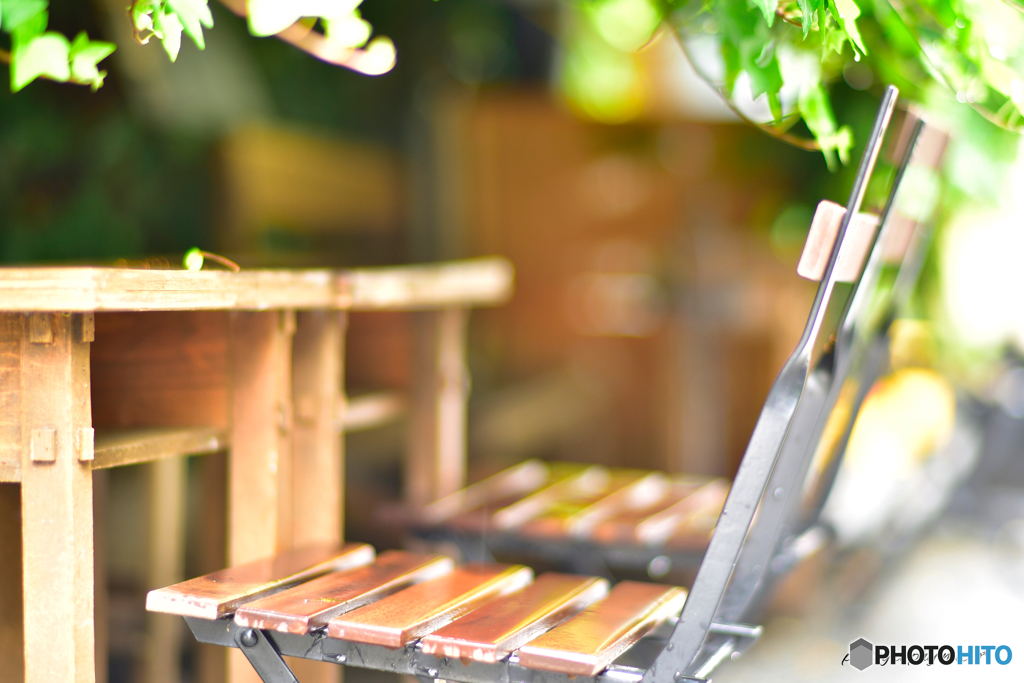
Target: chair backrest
x,y
738,566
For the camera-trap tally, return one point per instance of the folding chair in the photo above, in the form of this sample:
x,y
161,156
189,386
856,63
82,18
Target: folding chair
x,y
417,614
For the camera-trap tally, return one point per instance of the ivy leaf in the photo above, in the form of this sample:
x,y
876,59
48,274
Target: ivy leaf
x,y
267,17
168,28
832,40
762,65
808,11
350,31
846,13
768,7
817,113
29,28
84,56
13,13
142,17
43,55
193,15
379,57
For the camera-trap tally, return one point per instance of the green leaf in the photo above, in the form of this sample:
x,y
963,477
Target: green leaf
x,y
193,259
13,13
808,11
142,15
350,31
768,8
846,13
267,17
193,15
84,56
832,40
43,55
817,113
28,29
169,29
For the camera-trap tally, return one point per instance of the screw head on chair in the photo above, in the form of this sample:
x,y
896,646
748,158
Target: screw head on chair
x,y
248,638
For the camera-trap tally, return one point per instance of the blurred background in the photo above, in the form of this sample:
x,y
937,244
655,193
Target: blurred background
x,y
655,238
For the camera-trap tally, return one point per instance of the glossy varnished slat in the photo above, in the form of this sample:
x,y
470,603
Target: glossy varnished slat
x,y
511,505
688,522
594,638
218,594
491,632
426,607
567,482
621,528
507,485
312,604
579,511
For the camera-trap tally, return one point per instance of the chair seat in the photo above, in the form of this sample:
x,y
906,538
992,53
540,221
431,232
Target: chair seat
x,y
410,602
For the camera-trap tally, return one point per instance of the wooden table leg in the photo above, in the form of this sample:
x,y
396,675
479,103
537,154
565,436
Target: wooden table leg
x,y
101,592
165,566
259,469
436,464
11,641
56,500
317,450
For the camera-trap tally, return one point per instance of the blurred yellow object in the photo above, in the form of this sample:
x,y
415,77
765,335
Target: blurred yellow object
x,y
912,344
909,413
905,418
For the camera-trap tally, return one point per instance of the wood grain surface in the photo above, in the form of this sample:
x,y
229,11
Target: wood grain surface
x,y
621,528
567,481
579,511
473,282
689,521
491,632
591,640
314,603
218,594
516,481
115,448
426,607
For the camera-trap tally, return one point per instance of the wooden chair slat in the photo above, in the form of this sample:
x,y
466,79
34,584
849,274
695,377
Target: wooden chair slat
x,y
492,632
580,511
426,607
508,485
312,604
567,481
220,593
511,505
621,528
689,521
590,641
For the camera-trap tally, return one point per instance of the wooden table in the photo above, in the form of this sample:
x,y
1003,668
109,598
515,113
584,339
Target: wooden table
x,y
102,367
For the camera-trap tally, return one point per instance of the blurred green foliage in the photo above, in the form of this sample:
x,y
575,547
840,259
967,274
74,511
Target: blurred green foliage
x,y
89,176
792,52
